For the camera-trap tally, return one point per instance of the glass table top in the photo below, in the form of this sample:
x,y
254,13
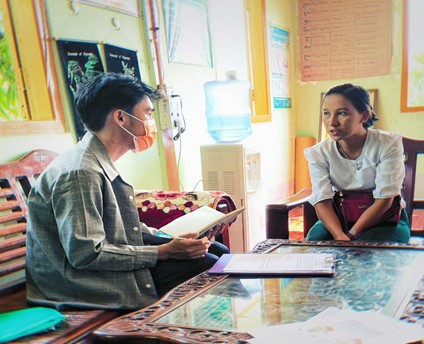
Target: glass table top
x,y
384,277
365,279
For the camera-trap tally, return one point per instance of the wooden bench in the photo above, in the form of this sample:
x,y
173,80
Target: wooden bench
x,y
16,180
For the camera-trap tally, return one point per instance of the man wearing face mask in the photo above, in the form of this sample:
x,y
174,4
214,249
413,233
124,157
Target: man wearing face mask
x,y
85,245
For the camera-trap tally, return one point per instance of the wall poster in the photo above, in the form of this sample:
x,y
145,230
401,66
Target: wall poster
x,y
80,62
280,77
122,61
343,39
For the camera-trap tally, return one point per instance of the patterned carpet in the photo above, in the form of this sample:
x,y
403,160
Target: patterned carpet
x,y
296,224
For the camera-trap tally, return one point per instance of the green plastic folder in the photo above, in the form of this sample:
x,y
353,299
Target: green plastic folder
x,y
28,321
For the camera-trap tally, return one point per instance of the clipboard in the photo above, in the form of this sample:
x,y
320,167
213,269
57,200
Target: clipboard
x,y
308,264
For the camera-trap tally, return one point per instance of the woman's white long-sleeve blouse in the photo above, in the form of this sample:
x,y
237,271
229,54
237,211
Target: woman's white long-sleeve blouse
x,y
380,167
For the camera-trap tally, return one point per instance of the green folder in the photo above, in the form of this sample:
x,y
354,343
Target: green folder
x,y
28,321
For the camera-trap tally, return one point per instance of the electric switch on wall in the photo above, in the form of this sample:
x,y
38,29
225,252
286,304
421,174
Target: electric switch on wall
x,y
164,113
170,113
175,110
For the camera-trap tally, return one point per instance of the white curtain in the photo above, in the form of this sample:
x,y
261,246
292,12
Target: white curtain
x,y
187,32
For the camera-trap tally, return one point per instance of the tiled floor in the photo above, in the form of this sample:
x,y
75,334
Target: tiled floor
x,y
296,225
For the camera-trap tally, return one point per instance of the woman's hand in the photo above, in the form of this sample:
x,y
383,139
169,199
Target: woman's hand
x,y
329,219
342,236
184,248
371,216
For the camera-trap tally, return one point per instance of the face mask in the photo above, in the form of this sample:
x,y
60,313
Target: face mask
x,y
142,143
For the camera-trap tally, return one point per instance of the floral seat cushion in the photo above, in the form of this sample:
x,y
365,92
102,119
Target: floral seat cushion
x,y
158,208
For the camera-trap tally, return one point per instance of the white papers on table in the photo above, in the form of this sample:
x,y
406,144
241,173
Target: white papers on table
x,y
335,326
279,263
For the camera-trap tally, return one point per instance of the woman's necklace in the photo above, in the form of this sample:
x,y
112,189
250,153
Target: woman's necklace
x,y
341,150
358,164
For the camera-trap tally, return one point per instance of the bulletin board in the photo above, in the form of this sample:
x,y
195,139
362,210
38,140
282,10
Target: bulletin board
x,y
342,39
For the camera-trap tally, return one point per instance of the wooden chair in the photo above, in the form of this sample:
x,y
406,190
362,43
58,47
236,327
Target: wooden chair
x,y
277,214
412,148
16,180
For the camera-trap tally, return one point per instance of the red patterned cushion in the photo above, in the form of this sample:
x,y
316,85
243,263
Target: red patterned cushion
x,y
157,208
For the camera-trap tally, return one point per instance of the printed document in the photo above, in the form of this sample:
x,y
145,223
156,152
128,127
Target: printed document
x,y
341,327
279,263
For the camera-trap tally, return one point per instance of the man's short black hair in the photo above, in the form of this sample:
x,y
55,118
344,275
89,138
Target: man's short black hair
x,y
96,98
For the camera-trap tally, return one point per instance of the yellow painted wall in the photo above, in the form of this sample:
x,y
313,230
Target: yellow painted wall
x,y
307,95
274,139
94,24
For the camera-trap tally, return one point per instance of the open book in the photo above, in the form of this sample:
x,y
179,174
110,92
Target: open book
x,y
203,220
279,263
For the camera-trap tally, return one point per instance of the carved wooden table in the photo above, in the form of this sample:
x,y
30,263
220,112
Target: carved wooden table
x,y
222,309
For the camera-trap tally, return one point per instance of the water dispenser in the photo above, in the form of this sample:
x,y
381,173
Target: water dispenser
x,y
228,110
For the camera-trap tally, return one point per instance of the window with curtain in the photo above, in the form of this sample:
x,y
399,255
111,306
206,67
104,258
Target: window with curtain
x,y
188,41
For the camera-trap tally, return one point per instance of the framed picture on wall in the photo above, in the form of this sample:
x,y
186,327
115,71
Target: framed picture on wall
x,y
322,133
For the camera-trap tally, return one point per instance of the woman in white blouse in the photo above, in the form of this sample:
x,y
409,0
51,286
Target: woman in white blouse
x,y
355,157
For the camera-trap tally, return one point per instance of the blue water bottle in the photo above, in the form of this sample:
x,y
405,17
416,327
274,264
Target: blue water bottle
x,y
228,110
